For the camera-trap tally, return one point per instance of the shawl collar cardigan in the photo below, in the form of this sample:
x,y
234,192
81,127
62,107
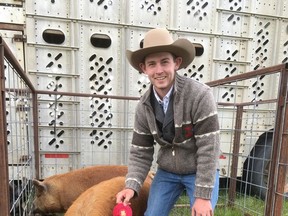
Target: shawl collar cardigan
x,y
195,147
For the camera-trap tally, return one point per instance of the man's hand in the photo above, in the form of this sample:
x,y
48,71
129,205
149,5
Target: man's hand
x,y
124,196
202,207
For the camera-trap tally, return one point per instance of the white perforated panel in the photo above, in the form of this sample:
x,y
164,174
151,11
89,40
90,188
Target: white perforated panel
x,y
194,15
237,36
100,10
149,13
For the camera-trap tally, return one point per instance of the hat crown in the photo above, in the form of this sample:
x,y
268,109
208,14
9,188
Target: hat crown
x,y
157,37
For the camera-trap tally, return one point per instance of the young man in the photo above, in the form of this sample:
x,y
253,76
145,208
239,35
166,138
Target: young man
x,y
180,115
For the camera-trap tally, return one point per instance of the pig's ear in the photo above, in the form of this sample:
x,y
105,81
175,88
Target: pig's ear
x,y
39,186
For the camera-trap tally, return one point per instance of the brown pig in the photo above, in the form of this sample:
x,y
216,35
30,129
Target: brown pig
x,y
56,193
100,199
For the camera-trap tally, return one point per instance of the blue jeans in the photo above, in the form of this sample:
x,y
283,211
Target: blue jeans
x,y
166,189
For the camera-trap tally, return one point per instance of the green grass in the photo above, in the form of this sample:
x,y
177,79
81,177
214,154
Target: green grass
x,y
244,206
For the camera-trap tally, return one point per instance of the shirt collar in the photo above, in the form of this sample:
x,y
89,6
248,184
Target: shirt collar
x,y
166,97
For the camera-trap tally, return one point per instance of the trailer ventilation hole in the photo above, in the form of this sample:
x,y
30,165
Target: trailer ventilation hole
x,y
53,36
141,43
100,40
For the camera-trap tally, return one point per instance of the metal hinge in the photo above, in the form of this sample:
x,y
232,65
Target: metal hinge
x,y
19,38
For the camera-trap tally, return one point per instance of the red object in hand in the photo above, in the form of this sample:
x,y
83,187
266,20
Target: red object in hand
x,y
121,210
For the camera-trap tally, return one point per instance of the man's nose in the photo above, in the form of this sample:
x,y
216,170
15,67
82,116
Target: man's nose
x,y
159,68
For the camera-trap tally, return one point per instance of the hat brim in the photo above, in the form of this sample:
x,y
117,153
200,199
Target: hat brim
x,y
181,48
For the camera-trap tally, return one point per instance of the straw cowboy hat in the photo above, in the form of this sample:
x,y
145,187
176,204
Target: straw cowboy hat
x,y
159,40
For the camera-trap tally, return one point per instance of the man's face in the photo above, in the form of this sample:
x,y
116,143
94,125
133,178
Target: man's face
x,y
160,69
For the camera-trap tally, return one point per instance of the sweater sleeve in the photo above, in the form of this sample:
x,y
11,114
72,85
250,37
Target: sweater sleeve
x,y
206,131
141,152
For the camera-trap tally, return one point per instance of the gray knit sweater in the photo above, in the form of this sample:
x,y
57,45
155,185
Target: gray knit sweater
x,y
195,148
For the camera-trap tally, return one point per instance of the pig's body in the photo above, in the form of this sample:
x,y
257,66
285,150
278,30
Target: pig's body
x,y
56,193
100,199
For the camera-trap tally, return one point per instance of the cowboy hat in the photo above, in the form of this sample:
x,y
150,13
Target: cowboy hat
x,y
159,40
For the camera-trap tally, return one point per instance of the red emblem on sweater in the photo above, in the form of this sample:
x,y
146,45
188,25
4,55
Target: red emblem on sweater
x,y
188,131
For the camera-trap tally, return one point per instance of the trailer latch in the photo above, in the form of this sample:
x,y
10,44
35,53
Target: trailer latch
x,y
19,38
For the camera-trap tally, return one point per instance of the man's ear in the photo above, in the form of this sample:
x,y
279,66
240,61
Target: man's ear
x,y
142,66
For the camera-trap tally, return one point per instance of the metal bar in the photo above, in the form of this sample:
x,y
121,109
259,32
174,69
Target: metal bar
x,y
282,148
4,186
282,171
36,134
248,75
247,103
235,156
274,202
87,95
18,91
11,27
138,98
244,13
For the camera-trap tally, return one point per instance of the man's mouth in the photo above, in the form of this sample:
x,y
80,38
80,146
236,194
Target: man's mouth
x,y
160,78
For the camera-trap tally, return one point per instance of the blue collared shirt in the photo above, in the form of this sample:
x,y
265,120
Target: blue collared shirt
x,y
165,102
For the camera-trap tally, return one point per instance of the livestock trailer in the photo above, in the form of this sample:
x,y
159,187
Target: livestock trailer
x,y
73,53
